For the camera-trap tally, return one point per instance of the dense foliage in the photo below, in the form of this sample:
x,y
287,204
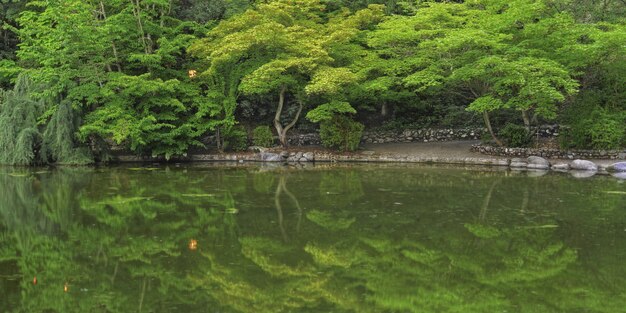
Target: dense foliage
x,y
160,77
262,136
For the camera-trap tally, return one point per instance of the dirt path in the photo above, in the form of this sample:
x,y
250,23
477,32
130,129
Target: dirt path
x,y
450,149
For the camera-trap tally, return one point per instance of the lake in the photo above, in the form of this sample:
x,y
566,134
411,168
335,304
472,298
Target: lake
x,y
344,238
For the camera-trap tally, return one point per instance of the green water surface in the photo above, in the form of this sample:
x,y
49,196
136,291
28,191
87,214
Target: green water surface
x,y
394,238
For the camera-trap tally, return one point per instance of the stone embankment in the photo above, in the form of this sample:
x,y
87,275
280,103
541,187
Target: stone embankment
x,y
417,135
549,153
578,168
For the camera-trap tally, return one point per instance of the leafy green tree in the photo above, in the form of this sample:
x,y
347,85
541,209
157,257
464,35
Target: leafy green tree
x,y
9,12
474,51
281,48
24,140
20,137
151,115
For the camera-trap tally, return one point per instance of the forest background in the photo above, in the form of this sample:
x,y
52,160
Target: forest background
x,y
160,76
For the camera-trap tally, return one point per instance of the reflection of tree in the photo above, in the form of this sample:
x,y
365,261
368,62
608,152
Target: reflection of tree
x,y
120,239
280,189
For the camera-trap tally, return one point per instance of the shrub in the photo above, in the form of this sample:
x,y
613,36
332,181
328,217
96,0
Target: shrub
x,y
599,130
262,136
341,132
515,136
236,139
607,131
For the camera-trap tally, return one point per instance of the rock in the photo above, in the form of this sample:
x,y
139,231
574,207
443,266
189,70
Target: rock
x,y
561,167
617,167
298,155
584,165
518,162
271,157
309,156
536,162
284,154
303,159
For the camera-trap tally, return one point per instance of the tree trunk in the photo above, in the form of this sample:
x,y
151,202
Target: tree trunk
x,y
280,130
137,13
526,119
117,59
218,140
488,124
279,208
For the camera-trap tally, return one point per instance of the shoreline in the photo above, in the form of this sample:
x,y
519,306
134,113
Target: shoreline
x,y
446,154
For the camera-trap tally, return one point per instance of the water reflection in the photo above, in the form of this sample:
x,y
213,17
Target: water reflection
x,y
340,239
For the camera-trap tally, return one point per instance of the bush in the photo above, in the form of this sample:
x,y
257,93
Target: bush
x,y
599,130
236,139
341,132
262,136
515,136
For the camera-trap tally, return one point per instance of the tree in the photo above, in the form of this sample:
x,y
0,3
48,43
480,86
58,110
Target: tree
x,y
474,49
282,48
20,138
9,11
25,140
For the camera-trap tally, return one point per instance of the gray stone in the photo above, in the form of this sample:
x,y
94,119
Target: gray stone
x,y
561,167
584,165
284,154
271,157
309,156
617,167
298,155
536,162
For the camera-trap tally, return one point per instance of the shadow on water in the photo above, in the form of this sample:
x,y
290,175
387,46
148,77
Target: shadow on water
x,y
351,238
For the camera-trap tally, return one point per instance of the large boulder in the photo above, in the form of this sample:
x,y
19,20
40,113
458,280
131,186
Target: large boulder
x,y
617,167
536,162
584,165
